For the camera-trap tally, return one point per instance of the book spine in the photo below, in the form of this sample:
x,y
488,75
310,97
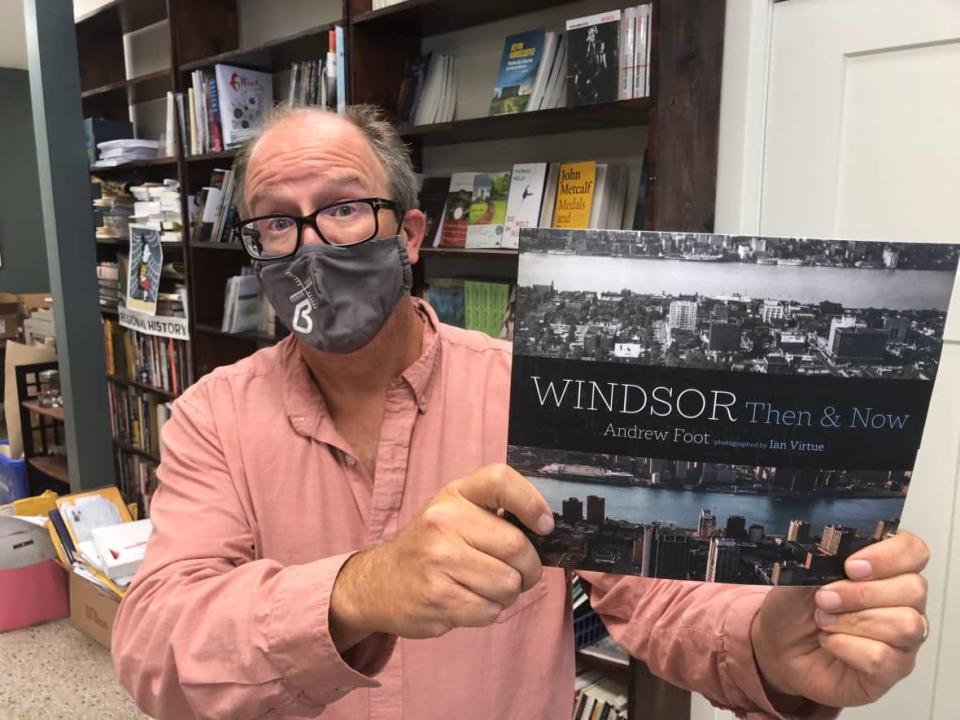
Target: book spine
x,y
215,116
628,32
192,111
341,70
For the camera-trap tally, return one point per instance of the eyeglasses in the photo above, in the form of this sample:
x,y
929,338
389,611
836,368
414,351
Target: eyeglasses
x,y
351,222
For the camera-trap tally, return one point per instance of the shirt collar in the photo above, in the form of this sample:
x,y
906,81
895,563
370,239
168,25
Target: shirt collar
x,y
304,402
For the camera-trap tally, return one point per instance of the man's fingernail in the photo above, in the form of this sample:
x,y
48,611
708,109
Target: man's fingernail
x,y
825,619
859,569
828,600
545,524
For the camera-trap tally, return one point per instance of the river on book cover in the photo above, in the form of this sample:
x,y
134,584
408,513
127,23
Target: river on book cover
x,y
722,408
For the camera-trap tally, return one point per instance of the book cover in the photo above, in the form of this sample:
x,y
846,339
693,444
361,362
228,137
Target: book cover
x,y
446,297
488,209
146,262
245,96
456,213
521,59
593,59
575,189
523,204
722,408
433,197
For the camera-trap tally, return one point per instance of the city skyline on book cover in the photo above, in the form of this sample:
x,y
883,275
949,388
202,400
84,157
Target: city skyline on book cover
x,y
722,408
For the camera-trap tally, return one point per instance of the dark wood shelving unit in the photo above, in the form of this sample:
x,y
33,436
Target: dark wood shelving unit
x,y
143,88
127,447
274,55
227,246
432,17
623,113
252,336
55,466
226,155
120,380
51,412
163,162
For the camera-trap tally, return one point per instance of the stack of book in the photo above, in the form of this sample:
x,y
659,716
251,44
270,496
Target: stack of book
x,y
598,696
118,152
163,363
428,92
488,209
112,205
157,205
136,477
108,279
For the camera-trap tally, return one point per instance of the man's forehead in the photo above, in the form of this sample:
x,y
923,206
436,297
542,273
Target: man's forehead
x,y
309,130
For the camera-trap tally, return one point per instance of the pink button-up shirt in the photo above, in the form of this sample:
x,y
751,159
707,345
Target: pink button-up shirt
x,y
261,502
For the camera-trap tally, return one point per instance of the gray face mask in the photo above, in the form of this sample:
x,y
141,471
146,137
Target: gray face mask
x,y
336,298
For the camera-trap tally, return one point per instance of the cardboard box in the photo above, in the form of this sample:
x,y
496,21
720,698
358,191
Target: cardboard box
x,y
92,610
33,585
9,317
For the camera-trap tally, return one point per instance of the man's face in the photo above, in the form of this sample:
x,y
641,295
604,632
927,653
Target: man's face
x,y
308,162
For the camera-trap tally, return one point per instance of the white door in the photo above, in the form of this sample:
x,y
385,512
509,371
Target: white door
x,y
841,118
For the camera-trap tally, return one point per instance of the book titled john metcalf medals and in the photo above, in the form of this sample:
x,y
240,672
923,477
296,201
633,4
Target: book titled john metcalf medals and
x,y
722,408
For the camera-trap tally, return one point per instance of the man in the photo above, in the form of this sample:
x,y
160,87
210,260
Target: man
x,y
327,533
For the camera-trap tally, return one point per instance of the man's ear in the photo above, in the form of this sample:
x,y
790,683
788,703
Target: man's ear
x,y
413,227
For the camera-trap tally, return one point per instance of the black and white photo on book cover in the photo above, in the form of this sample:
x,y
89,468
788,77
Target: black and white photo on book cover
x,y
722,408
146,263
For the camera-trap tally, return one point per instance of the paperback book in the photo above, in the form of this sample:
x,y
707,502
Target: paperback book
x,y
722,408
593,60
488,209
146,263
522,57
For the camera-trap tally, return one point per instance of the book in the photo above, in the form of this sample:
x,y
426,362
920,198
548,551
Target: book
x,y
551,41
245,98
643,45
593,63
628,34
722,408
520,62
549,196
574,193
484,306
456,213
488,209
433,198
446,297
143,281
523,204
341,74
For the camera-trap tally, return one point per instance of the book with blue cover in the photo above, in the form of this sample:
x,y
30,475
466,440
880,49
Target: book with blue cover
x,y
522,55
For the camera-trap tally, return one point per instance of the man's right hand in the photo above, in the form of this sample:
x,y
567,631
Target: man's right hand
x,y
456,565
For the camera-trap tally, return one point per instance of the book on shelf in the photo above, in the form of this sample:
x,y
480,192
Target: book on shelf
x,y
643,46
456,213
597,696
731,367
243,304
593,58
245,96
159,362
433,198
520,74
446,297
381,4
136,478
113,205
435,101
575,194
488,209
146,264
607,650
523,204
471,304
340,42
137,416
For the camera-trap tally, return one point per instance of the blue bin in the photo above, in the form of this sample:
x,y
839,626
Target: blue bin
x,y
13,479
588,628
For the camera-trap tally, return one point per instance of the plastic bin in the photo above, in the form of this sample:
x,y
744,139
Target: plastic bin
x,y
13,479
587,629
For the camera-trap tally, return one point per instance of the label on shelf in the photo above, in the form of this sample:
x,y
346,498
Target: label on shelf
x,y
162,326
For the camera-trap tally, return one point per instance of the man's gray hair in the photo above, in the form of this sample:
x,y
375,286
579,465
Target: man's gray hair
x,y
387,145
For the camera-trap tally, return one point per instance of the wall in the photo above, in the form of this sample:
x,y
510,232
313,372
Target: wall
x,y
22,249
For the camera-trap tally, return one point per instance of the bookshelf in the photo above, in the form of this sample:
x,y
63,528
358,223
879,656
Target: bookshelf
x,y
674,133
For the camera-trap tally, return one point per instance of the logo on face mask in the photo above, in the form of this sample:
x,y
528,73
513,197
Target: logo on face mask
x,y
302,322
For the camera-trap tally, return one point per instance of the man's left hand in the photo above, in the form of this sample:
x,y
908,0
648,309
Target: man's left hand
x,y
849,642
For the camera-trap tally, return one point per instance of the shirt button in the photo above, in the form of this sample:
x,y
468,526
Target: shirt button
x,y
351,460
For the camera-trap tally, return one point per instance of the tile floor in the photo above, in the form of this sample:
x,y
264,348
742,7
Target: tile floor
x,y
54,672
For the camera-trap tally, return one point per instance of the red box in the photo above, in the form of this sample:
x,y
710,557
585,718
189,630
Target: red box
x,y
33,585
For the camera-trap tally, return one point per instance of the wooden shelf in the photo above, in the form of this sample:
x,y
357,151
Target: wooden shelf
x,y
35,406
143,88
109,311
120,380
53,465
135,450
135,165
494,254
623,113
252,336
228,246
432,17
276,55
113,241
213,157
131,15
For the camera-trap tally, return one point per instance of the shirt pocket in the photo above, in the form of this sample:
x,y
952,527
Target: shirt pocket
x,y
524,602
